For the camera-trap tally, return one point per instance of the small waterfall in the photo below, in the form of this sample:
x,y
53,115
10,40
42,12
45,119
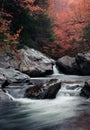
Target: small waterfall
x,y
55,70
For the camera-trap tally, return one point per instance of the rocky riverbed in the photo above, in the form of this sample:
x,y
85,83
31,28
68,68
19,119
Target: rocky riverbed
x,y
14,78
55,102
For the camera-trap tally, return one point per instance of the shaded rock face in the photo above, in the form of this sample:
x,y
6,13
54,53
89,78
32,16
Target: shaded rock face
x,y
83,61
44,91
67,65
85,91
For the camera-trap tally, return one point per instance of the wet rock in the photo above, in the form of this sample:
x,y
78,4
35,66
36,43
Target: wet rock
x,y
85,91
14,76
67,65
83,61
44,91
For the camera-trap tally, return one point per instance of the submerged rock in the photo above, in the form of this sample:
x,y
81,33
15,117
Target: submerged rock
x,y
67,65
85,91
44,91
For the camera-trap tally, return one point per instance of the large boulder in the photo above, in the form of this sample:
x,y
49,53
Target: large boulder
x,y
47,90
29,61
35,63
14,76
83,61
67,65
85,91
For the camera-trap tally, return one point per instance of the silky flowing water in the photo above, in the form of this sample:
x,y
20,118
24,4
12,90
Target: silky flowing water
x,y
68,111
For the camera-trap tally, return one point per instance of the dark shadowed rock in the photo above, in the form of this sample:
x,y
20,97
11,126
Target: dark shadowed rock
x,y
83,61
85,91
14,76
67,65
44,91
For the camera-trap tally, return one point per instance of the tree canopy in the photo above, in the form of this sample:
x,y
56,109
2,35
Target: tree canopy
x,y
24,22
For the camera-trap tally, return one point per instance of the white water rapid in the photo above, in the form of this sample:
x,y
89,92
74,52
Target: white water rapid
x,y
68,111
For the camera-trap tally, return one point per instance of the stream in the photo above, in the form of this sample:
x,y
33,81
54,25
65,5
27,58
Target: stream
x,y
68,111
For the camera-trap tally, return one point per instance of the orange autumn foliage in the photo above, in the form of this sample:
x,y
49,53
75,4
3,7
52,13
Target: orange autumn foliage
x,y
69,18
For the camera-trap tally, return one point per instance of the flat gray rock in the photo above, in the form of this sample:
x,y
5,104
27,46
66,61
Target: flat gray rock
x,y
12,75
